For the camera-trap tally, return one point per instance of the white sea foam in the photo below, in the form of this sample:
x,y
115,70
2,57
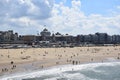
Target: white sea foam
x,y
91,71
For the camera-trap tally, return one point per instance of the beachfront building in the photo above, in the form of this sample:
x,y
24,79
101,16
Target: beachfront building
x,y
87,38
80,39
45,35
15,37
116,39
8,36
66,39
94,39
45,32
91,38
102,38
97,38
1,36
28,39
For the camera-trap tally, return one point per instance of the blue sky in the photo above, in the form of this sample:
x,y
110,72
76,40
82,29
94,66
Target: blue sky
x,y
103,7
65,16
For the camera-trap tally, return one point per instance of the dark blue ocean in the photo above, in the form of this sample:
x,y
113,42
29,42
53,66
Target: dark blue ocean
x,y
91,71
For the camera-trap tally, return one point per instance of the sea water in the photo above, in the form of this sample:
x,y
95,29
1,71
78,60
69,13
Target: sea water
x,y
91,71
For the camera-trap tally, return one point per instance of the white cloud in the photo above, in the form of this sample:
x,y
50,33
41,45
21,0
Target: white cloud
x,y
26,8
76,4
23,15
118,7
29,16
72,20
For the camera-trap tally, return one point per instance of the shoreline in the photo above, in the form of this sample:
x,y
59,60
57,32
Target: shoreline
x,y
26,74
41,58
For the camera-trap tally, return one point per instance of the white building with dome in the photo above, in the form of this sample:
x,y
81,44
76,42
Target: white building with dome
x,y
45,33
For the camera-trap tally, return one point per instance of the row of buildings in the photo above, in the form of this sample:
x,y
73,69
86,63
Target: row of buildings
x,y
46,38
8,36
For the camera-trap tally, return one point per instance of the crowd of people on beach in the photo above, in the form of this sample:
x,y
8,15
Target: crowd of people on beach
x,y
13,66
61,58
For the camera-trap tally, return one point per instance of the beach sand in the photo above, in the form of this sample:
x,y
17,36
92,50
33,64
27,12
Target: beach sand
x,y
27,59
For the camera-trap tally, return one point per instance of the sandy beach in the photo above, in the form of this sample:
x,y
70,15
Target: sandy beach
x,y
26,59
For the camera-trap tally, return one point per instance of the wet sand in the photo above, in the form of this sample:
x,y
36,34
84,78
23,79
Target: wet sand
x,y
27,59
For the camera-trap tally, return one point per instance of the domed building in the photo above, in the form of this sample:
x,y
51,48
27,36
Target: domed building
x,y
45,32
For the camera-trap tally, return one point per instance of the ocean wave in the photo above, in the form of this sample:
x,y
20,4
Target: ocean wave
x,y
91,71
